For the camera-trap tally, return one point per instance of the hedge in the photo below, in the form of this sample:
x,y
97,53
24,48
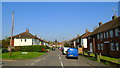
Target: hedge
x,y
33,48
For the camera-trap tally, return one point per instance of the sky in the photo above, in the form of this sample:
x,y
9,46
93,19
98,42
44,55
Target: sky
x,y
55,20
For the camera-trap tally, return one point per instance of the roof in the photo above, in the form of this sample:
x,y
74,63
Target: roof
x,y
107,26
27,35
86,34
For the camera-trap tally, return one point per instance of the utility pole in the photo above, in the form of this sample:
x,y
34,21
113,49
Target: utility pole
x,y
10,48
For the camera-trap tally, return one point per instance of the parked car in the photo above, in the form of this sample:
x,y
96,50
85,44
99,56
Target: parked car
x,y
60,48
64,50
72,52
53,49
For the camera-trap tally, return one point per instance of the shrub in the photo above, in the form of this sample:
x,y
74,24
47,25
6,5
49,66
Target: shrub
x,y
33,48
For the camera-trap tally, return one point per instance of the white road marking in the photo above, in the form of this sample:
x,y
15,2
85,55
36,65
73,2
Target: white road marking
x,y
59,57
37,61
60,61
61,64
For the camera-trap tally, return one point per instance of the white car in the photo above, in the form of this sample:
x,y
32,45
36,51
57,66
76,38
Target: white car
x,y
64,50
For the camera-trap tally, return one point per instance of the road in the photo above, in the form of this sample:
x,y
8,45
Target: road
x,y
56,59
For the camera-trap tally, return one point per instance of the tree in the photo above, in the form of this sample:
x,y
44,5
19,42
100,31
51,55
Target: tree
x,y
6,42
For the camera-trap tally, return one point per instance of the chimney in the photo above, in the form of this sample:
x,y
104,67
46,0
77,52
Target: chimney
x,y
87,31
27,30
36,35
114,17
100,23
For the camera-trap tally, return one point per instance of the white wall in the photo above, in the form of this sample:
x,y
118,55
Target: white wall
x,y
36,42
18,42
84,42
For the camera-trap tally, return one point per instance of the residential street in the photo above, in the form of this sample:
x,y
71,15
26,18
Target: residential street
x,y
54,58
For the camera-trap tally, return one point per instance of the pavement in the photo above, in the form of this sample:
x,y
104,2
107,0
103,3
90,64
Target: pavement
x,y
53,59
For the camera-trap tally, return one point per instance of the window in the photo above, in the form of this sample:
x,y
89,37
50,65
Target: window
x,y
88,37
25,40
107,34
111,33
98,37
116,32
112,47
101,36
117,47
98,46
102,46
104,34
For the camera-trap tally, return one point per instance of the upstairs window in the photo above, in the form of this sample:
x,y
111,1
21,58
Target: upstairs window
x,y
111,33
116,32
25,40
101,36
98,36
88,37
104,34
107,34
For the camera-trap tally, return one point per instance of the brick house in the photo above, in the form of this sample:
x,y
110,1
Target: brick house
x,y
80,42
27,39
106,38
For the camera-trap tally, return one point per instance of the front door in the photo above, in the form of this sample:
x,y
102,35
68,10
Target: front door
x,y
107,48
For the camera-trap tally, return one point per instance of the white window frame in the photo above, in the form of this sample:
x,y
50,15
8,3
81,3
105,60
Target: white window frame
x,y
112,48
107,36
101,35
116,32
102,46
117,46
98,46
111,33
98,36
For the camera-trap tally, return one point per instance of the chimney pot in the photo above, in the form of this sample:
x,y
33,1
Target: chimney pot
x,y
114,17
27,30
87,31
100,23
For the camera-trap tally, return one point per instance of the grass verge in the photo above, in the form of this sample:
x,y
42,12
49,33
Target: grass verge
x,y
19,55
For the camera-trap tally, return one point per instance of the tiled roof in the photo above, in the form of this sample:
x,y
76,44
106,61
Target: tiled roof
x,y
107,26
86,34
27,35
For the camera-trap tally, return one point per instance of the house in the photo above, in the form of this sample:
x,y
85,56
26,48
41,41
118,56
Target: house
x,y
83,39
106,38
27,39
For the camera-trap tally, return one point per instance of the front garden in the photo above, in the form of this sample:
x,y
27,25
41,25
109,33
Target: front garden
x,y
23,52
104,59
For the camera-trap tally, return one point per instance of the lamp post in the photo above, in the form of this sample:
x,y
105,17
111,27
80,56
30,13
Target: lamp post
x,y
11,41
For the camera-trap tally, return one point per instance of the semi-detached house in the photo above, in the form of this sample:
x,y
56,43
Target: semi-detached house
x,y
106,38
27,39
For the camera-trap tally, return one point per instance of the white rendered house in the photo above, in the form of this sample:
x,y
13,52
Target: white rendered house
x,y
26,39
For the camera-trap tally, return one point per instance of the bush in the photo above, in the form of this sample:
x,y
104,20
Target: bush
x,y
5,50
33,48
66,45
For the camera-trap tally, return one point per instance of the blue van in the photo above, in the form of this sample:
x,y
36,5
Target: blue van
x,y
72,52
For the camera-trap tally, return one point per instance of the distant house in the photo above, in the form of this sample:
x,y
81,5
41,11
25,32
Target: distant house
x,y
106,38
80,42
27,39
83,41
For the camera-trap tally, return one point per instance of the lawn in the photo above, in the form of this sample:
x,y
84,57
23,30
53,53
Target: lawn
x,y
115,60
19,55
0,53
